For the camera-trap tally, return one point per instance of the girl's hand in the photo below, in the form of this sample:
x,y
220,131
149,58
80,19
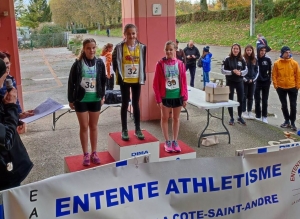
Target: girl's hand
x,y
159,105
184,103
10,97
102,101
108,76
26,114
71,105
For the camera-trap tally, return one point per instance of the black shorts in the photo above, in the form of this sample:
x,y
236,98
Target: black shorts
x,y
172,103
81,107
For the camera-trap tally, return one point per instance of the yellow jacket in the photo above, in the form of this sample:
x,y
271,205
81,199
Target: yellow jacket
x,y
286,74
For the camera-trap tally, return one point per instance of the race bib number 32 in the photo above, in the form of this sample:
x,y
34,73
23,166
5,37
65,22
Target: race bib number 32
x,y
131,71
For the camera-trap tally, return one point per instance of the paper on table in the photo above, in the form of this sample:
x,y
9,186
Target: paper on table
x,y
44,109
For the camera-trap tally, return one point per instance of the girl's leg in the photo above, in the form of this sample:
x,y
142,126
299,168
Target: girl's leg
x,y
83,130
175,122
93,126
164,121
125,99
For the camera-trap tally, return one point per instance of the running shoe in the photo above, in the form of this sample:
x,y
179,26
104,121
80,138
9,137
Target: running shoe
x,y
175,146
86,159
265,119
293,127
94,158
125,136
286,124
250,115
241,121
231,121
245,115
139,134
168,147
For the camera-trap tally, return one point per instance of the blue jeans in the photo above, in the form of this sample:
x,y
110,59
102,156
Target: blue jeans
x,y
192,69
205,78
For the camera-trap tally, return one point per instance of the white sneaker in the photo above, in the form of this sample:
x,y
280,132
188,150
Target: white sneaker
x,y
264,119
258,119
245,115
251,116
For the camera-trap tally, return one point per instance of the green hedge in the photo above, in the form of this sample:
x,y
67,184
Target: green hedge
x,y
79,30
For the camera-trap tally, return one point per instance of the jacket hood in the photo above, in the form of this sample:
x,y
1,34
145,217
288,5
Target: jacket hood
x,y
209,54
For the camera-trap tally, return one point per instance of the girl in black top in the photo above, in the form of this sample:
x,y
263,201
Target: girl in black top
x,y
235,68
249,82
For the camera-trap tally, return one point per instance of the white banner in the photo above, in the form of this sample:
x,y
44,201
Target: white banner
x,y
264,186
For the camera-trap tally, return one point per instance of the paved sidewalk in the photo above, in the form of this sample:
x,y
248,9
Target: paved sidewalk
x,y
45,74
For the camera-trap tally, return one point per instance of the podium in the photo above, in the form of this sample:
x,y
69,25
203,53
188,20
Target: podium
x,y
122,150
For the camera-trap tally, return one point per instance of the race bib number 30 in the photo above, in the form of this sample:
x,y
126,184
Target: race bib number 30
x,y
131,71
89,84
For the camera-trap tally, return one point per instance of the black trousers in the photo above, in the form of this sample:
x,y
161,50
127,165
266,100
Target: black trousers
x,y
135,94
292,93
261,94
110,82
248,96
239,87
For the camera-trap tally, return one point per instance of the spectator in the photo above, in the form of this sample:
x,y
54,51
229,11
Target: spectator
x,y
261,40
106,52
206,65
108,32
6,58
263,84
192,54
249,82
179,53
235,68
286,81
15,163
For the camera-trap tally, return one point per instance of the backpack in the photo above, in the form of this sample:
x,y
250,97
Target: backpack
x,y
113,97
199,63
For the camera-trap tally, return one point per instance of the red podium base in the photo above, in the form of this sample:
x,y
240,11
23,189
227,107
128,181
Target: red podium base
x,y
74,163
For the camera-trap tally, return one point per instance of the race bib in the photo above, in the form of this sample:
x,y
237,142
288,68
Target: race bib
x,y
172,83
131,71
89,84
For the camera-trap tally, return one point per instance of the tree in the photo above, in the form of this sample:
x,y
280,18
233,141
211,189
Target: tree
x,y
38,11
223,4
19,8
203,5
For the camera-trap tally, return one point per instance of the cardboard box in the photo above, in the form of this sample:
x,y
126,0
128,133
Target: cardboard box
x,y
217,94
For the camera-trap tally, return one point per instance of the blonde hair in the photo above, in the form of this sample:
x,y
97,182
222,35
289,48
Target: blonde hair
x,y
86,41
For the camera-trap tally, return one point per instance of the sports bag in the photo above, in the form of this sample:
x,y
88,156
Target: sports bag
x,y
199,63
113,97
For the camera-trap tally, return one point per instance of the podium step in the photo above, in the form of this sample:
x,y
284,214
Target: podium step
x,y
186,152
121,150
74,163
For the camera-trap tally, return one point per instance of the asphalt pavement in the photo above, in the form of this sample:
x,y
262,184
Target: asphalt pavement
x,y
45,74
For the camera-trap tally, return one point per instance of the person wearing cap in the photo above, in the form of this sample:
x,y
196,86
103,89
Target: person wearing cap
x,y
263,83
206,64
192,54
286,81
15,163
179,53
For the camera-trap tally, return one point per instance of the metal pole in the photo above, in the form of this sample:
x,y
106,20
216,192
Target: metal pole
x,y
252,18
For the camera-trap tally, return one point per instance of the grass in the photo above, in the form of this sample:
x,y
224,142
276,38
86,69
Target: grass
x,y
278,31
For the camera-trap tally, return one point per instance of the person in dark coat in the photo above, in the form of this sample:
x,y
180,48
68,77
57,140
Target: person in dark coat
x,y
15,163
192,54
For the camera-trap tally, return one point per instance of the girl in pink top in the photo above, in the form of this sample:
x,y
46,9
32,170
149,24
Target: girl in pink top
x,y
171,94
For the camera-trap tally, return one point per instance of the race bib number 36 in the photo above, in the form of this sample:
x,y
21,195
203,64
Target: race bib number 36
x,y
89,84
131,71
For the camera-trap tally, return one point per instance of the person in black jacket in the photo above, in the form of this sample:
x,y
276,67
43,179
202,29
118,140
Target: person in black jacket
x,y
263,84
86,88
192,54
249,82
15,163
235,68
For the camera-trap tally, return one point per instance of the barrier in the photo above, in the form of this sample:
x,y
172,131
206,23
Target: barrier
x,y
256,186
